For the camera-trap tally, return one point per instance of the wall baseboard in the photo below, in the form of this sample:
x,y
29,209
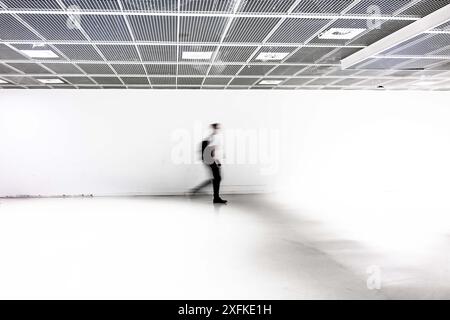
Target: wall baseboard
x,y
230,190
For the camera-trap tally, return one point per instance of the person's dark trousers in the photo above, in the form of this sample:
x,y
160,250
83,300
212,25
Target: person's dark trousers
x,y
215,168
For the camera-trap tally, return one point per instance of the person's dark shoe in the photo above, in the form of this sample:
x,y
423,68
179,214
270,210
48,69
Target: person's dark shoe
x,y
219,200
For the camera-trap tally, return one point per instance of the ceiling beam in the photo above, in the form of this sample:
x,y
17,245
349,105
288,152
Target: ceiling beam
x,y
210,14
421,26
194,44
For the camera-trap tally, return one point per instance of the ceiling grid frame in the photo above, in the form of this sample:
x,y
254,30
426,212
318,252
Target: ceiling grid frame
x,y
18,72
178,42
399,11
39,64
275,28
211,14
354,3
441,74
84,33
264,42
130,31
26,25
237,4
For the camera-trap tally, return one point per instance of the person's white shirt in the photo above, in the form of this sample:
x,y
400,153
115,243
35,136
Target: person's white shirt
x,y
216,142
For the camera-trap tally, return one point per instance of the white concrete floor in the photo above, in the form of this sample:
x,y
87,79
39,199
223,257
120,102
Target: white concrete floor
x,y
179,248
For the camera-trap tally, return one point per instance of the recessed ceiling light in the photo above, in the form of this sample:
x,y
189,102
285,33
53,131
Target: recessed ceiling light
x,y
272,56
270,82
40,53
341,33
188,55
51,81
2,81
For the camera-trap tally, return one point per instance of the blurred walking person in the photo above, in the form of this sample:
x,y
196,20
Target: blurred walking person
x,y
212,157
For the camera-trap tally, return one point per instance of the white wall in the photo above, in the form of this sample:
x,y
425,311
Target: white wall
x,y
119,142
367,145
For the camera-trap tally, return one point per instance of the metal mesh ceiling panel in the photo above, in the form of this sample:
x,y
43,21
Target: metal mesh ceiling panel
x,y
421,63
192,69
309,55
96,68
189,81
400,82
425,7
32,4
260,28
78,80
243,81
304,29
315,71
443,27
92,5
343,73
382,64
163,81
22,80
29,68
444,66
154,28
286,71
63,68
255,70
158,53
378,7
217,81
107,80
11,29
322,7
298,81
7,53
79,52
374,83
5,70
129,68
374,35
323,81
424,45
348,82
204,44
161,69
207,5
235,53
119,52
53,27
105,28
201,29
135,80
406,44
265,6
150,5
338,54
224,70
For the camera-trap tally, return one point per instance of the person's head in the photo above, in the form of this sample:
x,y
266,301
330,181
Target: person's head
x,y
215,127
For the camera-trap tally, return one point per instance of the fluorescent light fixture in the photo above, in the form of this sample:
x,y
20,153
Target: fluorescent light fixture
x,y
2,81
270,82
51,81
341,33
271,56
40,53
437,18
188,55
